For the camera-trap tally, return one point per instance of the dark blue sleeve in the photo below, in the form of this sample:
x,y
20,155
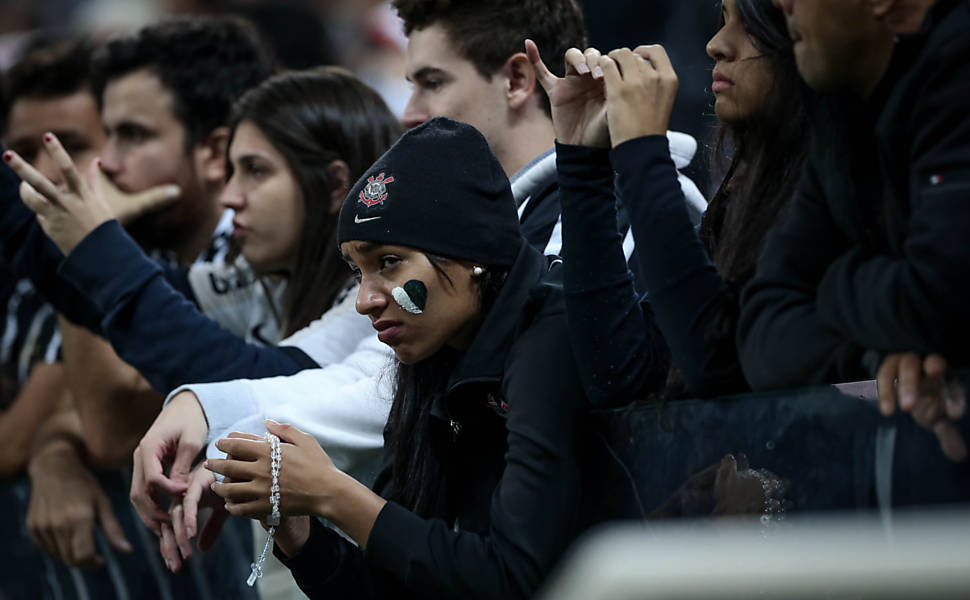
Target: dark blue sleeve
x,y
618,347
31,253
155,328
693,306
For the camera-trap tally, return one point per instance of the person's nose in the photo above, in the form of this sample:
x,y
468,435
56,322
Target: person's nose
x,y
232,197
416,111
111,159
371,298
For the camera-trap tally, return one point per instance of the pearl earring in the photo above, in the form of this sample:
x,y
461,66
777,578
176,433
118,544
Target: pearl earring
x,y
478,271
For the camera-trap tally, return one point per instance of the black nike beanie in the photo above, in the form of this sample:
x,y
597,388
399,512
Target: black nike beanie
x,y
439,189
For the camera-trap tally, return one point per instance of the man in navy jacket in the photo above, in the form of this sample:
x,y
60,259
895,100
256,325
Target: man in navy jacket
x,y
869,272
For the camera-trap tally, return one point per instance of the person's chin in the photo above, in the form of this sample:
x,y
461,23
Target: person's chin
x,y
409,355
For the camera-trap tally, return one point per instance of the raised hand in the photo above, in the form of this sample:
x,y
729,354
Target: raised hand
x,y
128,207
577,100
919,385
177,435
68,213
641,87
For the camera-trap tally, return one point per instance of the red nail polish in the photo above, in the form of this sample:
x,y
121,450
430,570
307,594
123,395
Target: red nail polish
x,y
48,137
8,156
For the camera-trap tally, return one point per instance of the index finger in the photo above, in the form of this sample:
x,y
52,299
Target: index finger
x,y
543,74
28,173
886,384
909,375
148,509
657,56
64,163
243,449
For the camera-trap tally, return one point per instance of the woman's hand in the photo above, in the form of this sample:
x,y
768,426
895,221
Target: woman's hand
x,y
175,544
578,100
306,477
641,86
177,435
69,212
309,482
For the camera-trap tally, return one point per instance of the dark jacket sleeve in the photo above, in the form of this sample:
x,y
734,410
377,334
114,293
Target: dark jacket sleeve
x,y
534,511
155,328
693,306
781,339
619,349
29,252
917,301
329,566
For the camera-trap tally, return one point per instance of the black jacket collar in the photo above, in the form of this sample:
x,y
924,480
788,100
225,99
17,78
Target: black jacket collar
x,y
484,361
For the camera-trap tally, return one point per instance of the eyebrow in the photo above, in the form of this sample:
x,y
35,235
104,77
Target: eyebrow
x,y
251,155
424,72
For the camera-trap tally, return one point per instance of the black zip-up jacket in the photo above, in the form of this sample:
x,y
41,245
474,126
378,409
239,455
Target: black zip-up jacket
x,y
874,256
513,478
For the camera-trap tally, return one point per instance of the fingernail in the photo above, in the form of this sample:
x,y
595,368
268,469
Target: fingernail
x,y
597,71
172,191
126,547
212,486
48,137
271,422
205,464
98,161
8,156
907,399
582,69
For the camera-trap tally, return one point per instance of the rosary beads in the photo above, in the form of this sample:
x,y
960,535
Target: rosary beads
x,y
276,455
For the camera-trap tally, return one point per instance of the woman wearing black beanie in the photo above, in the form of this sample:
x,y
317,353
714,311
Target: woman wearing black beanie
x,y
480,491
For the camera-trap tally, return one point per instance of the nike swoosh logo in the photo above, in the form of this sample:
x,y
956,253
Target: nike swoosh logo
x,y
358,220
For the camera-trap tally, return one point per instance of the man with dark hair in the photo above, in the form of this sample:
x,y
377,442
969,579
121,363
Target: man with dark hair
x,y
47,90
467,61
165,96
869,272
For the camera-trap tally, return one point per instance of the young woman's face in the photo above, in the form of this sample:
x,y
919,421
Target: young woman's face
x,y
742,76
267,200
391,282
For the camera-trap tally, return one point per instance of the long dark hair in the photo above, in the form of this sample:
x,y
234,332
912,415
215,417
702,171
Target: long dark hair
x,y
418,472
761,159
313,118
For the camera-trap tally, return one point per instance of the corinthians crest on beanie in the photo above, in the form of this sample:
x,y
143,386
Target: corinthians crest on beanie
x,y
438,189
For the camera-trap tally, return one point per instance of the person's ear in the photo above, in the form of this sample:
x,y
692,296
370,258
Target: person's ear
x,y
521,79
339,173
899,16
209,156
881,8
